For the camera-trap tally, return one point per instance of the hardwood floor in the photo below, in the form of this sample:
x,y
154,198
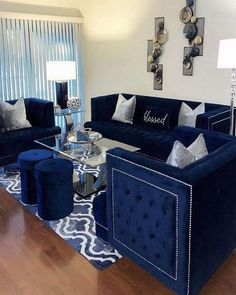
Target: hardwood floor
x,y
36,261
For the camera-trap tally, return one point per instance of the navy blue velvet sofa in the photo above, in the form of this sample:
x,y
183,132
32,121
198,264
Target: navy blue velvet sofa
x,y
215,118
178,224
40,114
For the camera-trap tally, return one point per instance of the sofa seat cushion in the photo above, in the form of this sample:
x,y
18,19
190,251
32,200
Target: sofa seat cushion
x,y
136,134
15,141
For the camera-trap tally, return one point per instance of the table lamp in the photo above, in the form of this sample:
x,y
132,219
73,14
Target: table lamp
x,y
61,72
227,60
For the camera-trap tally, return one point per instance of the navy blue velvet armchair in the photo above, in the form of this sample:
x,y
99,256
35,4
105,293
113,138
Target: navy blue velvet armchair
x,y
40,114
178,224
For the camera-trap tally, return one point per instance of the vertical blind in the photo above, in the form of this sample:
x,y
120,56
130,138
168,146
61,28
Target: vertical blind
x,y
26,46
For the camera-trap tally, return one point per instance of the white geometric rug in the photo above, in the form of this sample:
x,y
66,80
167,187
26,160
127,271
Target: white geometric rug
x,y
78,229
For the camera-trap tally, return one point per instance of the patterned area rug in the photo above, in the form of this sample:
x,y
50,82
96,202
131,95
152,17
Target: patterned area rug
x,y
78,229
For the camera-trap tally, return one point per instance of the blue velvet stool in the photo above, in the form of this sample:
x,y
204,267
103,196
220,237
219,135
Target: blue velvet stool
x,y
54,181
27,161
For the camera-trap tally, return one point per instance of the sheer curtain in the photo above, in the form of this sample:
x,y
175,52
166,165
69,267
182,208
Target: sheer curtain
x,y
26,46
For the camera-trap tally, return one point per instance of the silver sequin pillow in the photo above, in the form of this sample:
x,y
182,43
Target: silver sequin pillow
x,y
181,156
13,116
125,108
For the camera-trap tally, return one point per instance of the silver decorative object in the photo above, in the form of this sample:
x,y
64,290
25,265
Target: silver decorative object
x,y
194,32
74,103
155,49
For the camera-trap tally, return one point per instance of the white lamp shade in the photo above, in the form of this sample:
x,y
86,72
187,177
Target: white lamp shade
x,y
61,70
227,54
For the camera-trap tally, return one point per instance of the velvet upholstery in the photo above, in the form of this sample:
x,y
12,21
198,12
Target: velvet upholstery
x,y
215,118
54,183
178,224
27,161
186,135
100,216
137,135
40,114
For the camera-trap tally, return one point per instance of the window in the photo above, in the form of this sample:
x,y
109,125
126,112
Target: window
x,y
26,46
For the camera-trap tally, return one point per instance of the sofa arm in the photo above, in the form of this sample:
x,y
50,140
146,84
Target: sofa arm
x,y
213,234
40,113
217,120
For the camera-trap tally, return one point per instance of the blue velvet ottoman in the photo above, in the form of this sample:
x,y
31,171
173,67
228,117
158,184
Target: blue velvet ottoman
x,y
54,181
27,161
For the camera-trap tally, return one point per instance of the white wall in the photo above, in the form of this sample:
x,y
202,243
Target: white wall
x,y
116,34
116,46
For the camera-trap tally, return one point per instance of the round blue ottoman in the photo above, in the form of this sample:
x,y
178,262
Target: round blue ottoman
x,y
27,161
54,181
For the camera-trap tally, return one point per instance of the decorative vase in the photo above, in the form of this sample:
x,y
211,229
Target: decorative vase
x,y
73,103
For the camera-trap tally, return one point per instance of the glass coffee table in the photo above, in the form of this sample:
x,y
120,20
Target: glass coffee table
x,y
91,153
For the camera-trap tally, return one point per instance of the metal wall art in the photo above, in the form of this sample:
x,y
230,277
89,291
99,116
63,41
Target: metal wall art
x,y
194,32
155,49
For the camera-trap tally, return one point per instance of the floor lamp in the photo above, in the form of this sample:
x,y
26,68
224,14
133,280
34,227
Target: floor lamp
x,y
227,60
60,72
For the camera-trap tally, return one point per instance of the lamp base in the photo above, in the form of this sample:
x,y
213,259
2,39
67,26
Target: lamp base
x,y
62,94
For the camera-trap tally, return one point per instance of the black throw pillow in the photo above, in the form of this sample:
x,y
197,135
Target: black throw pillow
x,y
156,118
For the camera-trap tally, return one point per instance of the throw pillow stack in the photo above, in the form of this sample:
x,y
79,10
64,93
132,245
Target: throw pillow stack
x,y
151,117
13,116
181,156
154,117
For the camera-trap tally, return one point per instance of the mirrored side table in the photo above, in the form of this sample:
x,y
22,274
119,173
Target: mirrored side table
x,y
69,117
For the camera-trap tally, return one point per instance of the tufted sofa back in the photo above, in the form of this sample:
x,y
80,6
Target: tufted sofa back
x,y
39,112
103,107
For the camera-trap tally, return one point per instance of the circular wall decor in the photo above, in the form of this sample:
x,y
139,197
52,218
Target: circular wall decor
x,y
155,50
194,32
198,40
193,19
185,15
187,62
189,3
150,59
190,31
154,68
194,51
162,37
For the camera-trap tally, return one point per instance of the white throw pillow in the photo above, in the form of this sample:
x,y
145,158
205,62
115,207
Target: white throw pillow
x,y
198,148
125,108
14,116
181,156
187,116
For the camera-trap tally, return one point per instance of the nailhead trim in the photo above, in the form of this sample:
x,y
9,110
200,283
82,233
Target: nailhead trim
x,y
177,233
146,168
